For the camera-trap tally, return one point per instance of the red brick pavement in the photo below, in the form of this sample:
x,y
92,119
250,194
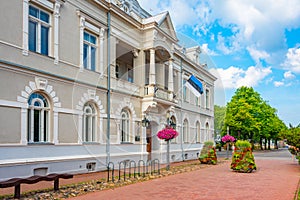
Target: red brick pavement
x,y
274,179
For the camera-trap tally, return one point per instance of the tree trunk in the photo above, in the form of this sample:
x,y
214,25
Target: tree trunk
x,y
276,145
265,143
261,144
269,144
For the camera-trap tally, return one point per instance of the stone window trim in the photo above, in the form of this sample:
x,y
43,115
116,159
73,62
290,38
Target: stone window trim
x,y
91,97
53,8
89,122
40,85
87,24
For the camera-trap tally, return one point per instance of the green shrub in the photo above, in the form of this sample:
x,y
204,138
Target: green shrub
x,y
209,143
242,144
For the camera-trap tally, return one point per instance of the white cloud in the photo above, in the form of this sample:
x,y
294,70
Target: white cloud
x,y
205,49
234,77
257,55
289,75
292,62
278,83
258,21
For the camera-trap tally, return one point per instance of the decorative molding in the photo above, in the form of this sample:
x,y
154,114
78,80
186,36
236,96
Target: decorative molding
x,y
40,84
90,95
126,104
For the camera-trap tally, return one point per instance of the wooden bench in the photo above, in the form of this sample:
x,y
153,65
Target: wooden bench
x,y
16,182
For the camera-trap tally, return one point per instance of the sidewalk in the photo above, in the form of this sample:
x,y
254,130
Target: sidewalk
x,y
274,179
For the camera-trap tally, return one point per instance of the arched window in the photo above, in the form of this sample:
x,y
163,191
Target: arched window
x,y
185,131
125,126
89,123
207,132
38,118
198,132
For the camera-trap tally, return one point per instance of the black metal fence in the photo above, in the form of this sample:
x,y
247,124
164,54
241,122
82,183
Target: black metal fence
x,y
149,167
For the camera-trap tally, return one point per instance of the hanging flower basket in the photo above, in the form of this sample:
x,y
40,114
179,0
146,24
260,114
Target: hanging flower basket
x,y
167,133
227,138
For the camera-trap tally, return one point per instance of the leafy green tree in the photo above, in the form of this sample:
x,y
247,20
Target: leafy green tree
x,y
249,117
292,136
242,113
219,113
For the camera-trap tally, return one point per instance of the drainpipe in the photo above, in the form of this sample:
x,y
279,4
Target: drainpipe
x,y
181,143
108,90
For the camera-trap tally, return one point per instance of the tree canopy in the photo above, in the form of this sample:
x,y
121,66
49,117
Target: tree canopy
x,y
249,117
219,118
292,136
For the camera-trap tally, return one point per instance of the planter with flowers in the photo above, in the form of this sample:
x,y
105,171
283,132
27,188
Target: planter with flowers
x,y
295,152
208,154
243,159
167,134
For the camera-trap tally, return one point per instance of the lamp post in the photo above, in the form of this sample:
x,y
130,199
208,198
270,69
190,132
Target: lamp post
x,y
170,124
227,145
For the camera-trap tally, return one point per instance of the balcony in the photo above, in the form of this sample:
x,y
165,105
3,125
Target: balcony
x,y
157,92
124,86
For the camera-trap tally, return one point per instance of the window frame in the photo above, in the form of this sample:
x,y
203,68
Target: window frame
x,y
207,99
90,45
89,120
185,135
42,113
125,126
39,24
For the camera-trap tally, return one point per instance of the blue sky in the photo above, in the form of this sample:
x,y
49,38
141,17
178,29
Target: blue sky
x,y
245,43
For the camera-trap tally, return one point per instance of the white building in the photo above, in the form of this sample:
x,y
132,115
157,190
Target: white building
x,y
79,76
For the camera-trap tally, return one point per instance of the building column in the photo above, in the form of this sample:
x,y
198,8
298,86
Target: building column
x,y
170,80
56,32
25,27
100,130
24,126
80,137
55,127
101,50
82,21
152,80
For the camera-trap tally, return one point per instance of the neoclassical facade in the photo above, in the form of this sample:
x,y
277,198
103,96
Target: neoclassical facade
x,y
79,77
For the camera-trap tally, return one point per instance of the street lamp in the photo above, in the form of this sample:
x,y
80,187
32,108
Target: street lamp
x,y
145,122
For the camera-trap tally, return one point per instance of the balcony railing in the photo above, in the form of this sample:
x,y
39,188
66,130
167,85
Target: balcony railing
x,y
125,86
152,90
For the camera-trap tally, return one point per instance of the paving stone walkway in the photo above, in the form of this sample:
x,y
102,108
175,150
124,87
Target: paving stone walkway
x,y
275,179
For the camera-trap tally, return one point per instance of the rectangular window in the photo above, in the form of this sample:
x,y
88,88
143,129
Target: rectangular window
x,y
89,51
38,30
32,35
207,99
